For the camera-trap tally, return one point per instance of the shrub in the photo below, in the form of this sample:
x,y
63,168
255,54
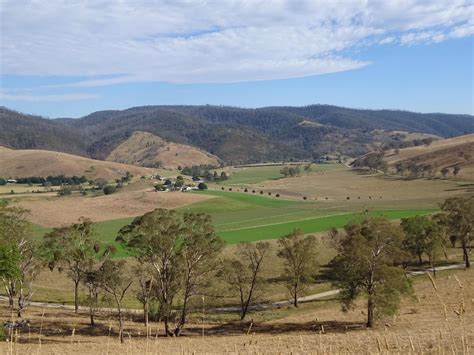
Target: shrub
x,y
253,191
269,193
222,188
277,195
230,188
261,192
348,198
246,190
203,186
3,182
109,189
304,197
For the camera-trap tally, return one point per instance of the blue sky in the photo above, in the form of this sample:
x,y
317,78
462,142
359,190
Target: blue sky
x,y
64,59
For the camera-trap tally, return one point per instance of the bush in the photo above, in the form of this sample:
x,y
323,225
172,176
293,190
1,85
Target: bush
x,y
3,182
261,192
304,197
3,337
269,193
203,186
277,195
230,188
222,188
246,190
253,191
109,189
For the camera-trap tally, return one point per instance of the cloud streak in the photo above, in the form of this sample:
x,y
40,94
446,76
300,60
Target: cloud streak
x,y
47,98
198,41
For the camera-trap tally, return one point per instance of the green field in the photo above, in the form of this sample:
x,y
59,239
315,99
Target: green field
x,y
247,217
257,174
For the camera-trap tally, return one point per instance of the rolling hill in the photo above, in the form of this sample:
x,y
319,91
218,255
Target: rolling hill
x,y
25,163
445,153
148,150
234,135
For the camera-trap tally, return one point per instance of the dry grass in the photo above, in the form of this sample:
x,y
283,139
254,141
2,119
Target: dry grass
x,y
384,191
56,211
147,149
440,320
24,163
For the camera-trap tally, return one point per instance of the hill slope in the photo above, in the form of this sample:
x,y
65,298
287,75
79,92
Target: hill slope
x,y
445,153
235,135
24,163
146,149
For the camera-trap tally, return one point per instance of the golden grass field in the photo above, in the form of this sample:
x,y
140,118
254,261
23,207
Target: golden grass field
x,y
55,211
146,149
438,320
24,163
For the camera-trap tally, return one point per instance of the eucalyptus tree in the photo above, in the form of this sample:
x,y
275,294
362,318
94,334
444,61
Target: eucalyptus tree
x,y
366,263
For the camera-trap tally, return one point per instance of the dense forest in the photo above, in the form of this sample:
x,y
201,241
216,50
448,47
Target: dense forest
x,y
236,135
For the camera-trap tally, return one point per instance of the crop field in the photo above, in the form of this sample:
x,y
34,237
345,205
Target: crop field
x,y
239,217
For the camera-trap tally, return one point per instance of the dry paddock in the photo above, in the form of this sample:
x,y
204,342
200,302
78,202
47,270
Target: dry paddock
x,y
436,321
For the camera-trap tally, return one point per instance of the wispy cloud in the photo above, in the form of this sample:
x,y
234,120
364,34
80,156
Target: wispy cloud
x,y
193,41
46,98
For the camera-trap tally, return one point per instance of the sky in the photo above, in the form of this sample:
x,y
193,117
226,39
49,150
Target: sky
x,y
70,58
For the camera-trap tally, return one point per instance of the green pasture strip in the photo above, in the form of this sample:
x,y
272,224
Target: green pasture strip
x,y
250,198
309,225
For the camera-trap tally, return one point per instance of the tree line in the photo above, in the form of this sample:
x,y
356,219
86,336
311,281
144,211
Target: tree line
x,y
177,259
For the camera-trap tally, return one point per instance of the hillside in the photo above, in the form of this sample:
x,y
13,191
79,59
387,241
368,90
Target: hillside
x,y
24,163
234,135
148,150
445,153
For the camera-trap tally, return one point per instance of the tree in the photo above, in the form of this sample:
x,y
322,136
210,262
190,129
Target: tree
x,y
109,189
20,260
200,249
444,172
423,235
299,254
72,249
3,182
307,168
365,263
146,282
456,170
115,280
202,186
156,239
243,275
459,221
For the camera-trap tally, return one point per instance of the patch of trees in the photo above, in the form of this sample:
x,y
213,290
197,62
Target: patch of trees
x,y
291,171
373,161
56,180
204,172
177,261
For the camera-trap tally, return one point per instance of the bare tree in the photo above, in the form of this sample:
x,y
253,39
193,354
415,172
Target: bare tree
x,y
243,275
115,280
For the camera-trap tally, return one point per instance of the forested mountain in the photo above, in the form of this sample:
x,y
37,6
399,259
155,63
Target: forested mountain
x,y
235,135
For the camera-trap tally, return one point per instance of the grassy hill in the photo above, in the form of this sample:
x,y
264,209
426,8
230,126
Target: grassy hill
x,y
446,153
24,163
149,150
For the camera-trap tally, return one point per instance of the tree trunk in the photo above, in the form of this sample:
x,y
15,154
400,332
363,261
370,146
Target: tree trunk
x,y
92,301
295,294
420,259
120,324
465,253
145,313
370,312
76,296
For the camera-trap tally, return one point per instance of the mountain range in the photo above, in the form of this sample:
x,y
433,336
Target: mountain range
x,y
231,134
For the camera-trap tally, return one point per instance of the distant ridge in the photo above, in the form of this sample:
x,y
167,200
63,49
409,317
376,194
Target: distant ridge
x,y
234,135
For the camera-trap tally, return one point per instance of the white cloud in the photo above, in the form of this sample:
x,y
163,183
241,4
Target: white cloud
x,y
192,41
47,98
